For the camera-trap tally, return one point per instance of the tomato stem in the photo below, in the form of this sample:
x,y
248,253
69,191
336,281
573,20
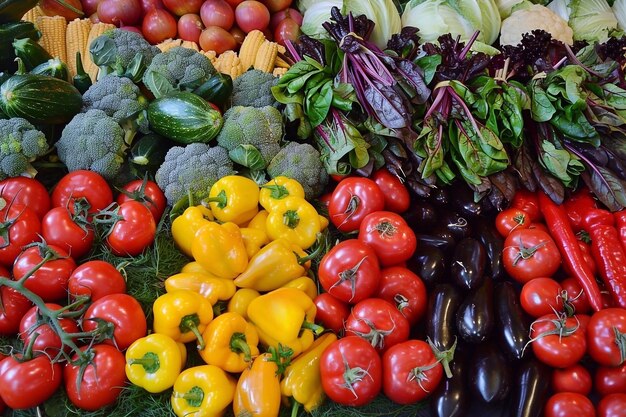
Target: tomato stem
x,y
444,356
620,341
353,375
349,275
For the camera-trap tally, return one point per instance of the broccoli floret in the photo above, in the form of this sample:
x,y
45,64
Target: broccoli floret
x,y
179,68
301,161
123,53
121,99
251,135
254,88
20,144
191,171
93,141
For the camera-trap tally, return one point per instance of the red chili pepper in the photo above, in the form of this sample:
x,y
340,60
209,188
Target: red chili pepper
x,y
577,205
564,237
527,202
620,222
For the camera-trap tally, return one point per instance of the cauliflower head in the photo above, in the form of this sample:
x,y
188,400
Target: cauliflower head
x,y
301,161
531,17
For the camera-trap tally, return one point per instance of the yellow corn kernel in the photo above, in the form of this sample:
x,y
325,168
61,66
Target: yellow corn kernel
x,y
190,45
168,44
33,14
76,36
250,48
52,30
279,72
281,63
229,63
264,60
96,30
281,49
212,55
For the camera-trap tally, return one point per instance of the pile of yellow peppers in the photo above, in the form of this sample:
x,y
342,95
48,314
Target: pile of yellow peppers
x,y
245,300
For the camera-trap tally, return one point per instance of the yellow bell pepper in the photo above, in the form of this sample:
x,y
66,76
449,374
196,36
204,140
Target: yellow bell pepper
x,y
153,362
258,389
182,315
231,343
209,286
294,219
234,199
185,226
241,300
253,239
202,391
285,317
305,284
194,266
323,222
219,248
277,189
302,379
259,220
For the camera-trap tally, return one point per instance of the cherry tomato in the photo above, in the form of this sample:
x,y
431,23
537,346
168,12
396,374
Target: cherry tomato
x,y
389,235
350,271
133,231
102,381
541,296
378,322
528,202
82,184
396,195
26,192
569,404
14,306
610,380
29,383
332,313
351,371
558,342
148,193
352,200
575,378
613,405
72,232
287,30
96,279
410,372
48,340
511,219
530,253
19,226
603,342
402,288
575,295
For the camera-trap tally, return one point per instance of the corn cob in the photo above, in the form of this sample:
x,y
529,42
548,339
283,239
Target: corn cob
x,y
279,72
229,63
281,63
211,55
190,45
96,30
250,48
266,56
76,37
52,30
168,44
33,14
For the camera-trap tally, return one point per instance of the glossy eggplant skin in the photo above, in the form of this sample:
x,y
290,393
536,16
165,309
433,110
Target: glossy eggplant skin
x,y
444,241
456,224
439,197
475,316
531,386
429,263
511,322
462,201
489,373
421,215
443,302
451,398
487,234
467,269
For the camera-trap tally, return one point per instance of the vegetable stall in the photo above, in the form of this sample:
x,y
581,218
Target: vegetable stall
x,y
324,208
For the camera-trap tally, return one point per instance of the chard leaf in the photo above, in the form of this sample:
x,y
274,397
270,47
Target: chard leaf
x,y
317,103
553,187
296,76
614,96
577,128
387,104
541,107
561,163
343,96
340,138
415,76
429,64
505,183
300,82
283,96
429,146
248,156
610,190
482,151
523,164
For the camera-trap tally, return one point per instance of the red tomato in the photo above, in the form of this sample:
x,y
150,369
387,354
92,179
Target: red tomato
x,y
86,184
605,335
96,279
277,5
148,193
121,311
27,192
352,200
14,306
613,405
102,381
541,296
23,227
402,288
569,404
351,371
133,231
72,232
332,313
158,25
528,202
28,384
48,340
610,380
389,234
396,195
539,226
287,30
217,13
410,372
350,271
511,219
251,15
558,342
576,378
50,280
379,322
575,295
530,253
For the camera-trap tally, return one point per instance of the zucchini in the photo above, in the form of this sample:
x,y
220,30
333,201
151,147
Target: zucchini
x,y
13,10
8,33
147,154
40,99
217,89
30,52
53,68
184,117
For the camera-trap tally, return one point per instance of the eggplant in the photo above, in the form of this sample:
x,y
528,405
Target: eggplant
x,y
451,398
475,316
511,322
443,303
429,263
467,269
494,244
440,197
489,374
531,388
462,200
454,223
445,242
421,215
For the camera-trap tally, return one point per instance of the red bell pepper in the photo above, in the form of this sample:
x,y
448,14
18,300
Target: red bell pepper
x,y
620,222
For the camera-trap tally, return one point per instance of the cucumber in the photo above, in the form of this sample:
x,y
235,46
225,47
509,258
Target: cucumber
x,y
8,33
54,68
13,10
217,89
184,117
147,154
30,52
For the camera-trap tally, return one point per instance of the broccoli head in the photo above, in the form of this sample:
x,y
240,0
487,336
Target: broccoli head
x,y
301,161
254,88
178,69
93,141
120,99
20,144
191,171
251,135
123,53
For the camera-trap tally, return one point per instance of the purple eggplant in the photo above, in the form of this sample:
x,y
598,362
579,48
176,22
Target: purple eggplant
x,y
486,233
429,263
489,373
456,224
451,398
467,268
531,386
512,323
475,316
443,302
421,216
